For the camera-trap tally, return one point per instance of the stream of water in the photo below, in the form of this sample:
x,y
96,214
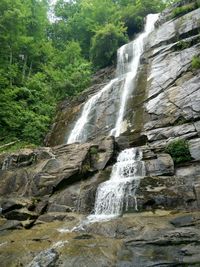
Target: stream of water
x,y
113,196
128,61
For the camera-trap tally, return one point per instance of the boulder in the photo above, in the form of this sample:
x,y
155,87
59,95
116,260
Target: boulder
x,y
21,215
86,198
164,192
45,258
194,147
197,126
54,216
197,193
11,225
162,165
104,153
13,203
59,208
186,220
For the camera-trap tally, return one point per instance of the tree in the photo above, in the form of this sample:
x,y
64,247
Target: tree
x,y
105,44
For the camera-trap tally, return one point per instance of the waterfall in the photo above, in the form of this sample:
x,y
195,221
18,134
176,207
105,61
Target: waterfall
x,y
112,196
130,68
79,132
128,59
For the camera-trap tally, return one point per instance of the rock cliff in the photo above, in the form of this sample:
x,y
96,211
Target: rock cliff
x,y
47,191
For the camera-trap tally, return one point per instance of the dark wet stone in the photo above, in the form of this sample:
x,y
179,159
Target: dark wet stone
x,y
84,236
10,225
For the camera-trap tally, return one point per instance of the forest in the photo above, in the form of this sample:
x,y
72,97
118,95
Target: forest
x,y
43,61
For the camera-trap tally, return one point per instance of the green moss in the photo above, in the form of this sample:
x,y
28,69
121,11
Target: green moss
x,y
180,11
181,45
196,62
179,150
93,150
16,146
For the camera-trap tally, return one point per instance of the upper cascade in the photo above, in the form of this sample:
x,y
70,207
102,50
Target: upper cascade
x,y
128,61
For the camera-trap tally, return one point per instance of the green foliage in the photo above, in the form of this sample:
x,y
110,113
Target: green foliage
x,y
16,146
34,74
93,150
69,73
180,11
41,63
179,151
105,44
181,45
133,15
81,20
196,62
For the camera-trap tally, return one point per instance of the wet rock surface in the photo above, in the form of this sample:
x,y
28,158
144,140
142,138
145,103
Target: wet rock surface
x,y
60,180
162,238
68,111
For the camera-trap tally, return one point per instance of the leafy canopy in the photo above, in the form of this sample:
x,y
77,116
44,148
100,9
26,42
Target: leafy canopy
x,y
42,62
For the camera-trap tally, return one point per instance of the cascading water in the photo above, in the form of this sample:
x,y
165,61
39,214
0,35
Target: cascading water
x,y
128,60
112,196
79,132
130,68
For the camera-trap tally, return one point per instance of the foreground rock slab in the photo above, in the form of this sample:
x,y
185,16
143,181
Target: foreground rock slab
x,y
159,238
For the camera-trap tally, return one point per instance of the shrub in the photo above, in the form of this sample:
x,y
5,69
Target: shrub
x,y
180,11
181,45
179,150
93,150
196,62
105,44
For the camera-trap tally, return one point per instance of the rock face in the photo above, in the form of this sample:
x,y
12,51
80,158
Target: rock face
x,y
68,111
173,88
34,182
136,240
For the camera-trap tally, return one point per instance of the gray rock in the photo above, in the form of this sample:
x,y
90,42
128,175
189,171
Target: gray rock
x,y
186,220
194,147
164,192
45,258
175,105
11,204
24,158
170,132
11,225
59,208
162,165
54,216
197,126
86,198
105,152
173,28
197,193
21,215
191,172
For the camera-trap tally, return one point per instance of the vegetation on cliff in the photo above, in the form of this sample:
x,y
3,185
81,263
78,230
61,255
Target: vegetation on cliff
x,y
42,62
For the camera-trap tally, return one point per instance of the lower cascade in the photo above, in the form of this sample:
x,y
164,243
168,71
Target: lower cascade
x,y
112,196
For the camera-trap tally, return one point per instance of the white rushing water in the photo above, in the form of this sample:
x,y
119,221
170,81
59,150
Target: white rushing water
x,y
130,68
128,60
79,132
112,196
119,193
